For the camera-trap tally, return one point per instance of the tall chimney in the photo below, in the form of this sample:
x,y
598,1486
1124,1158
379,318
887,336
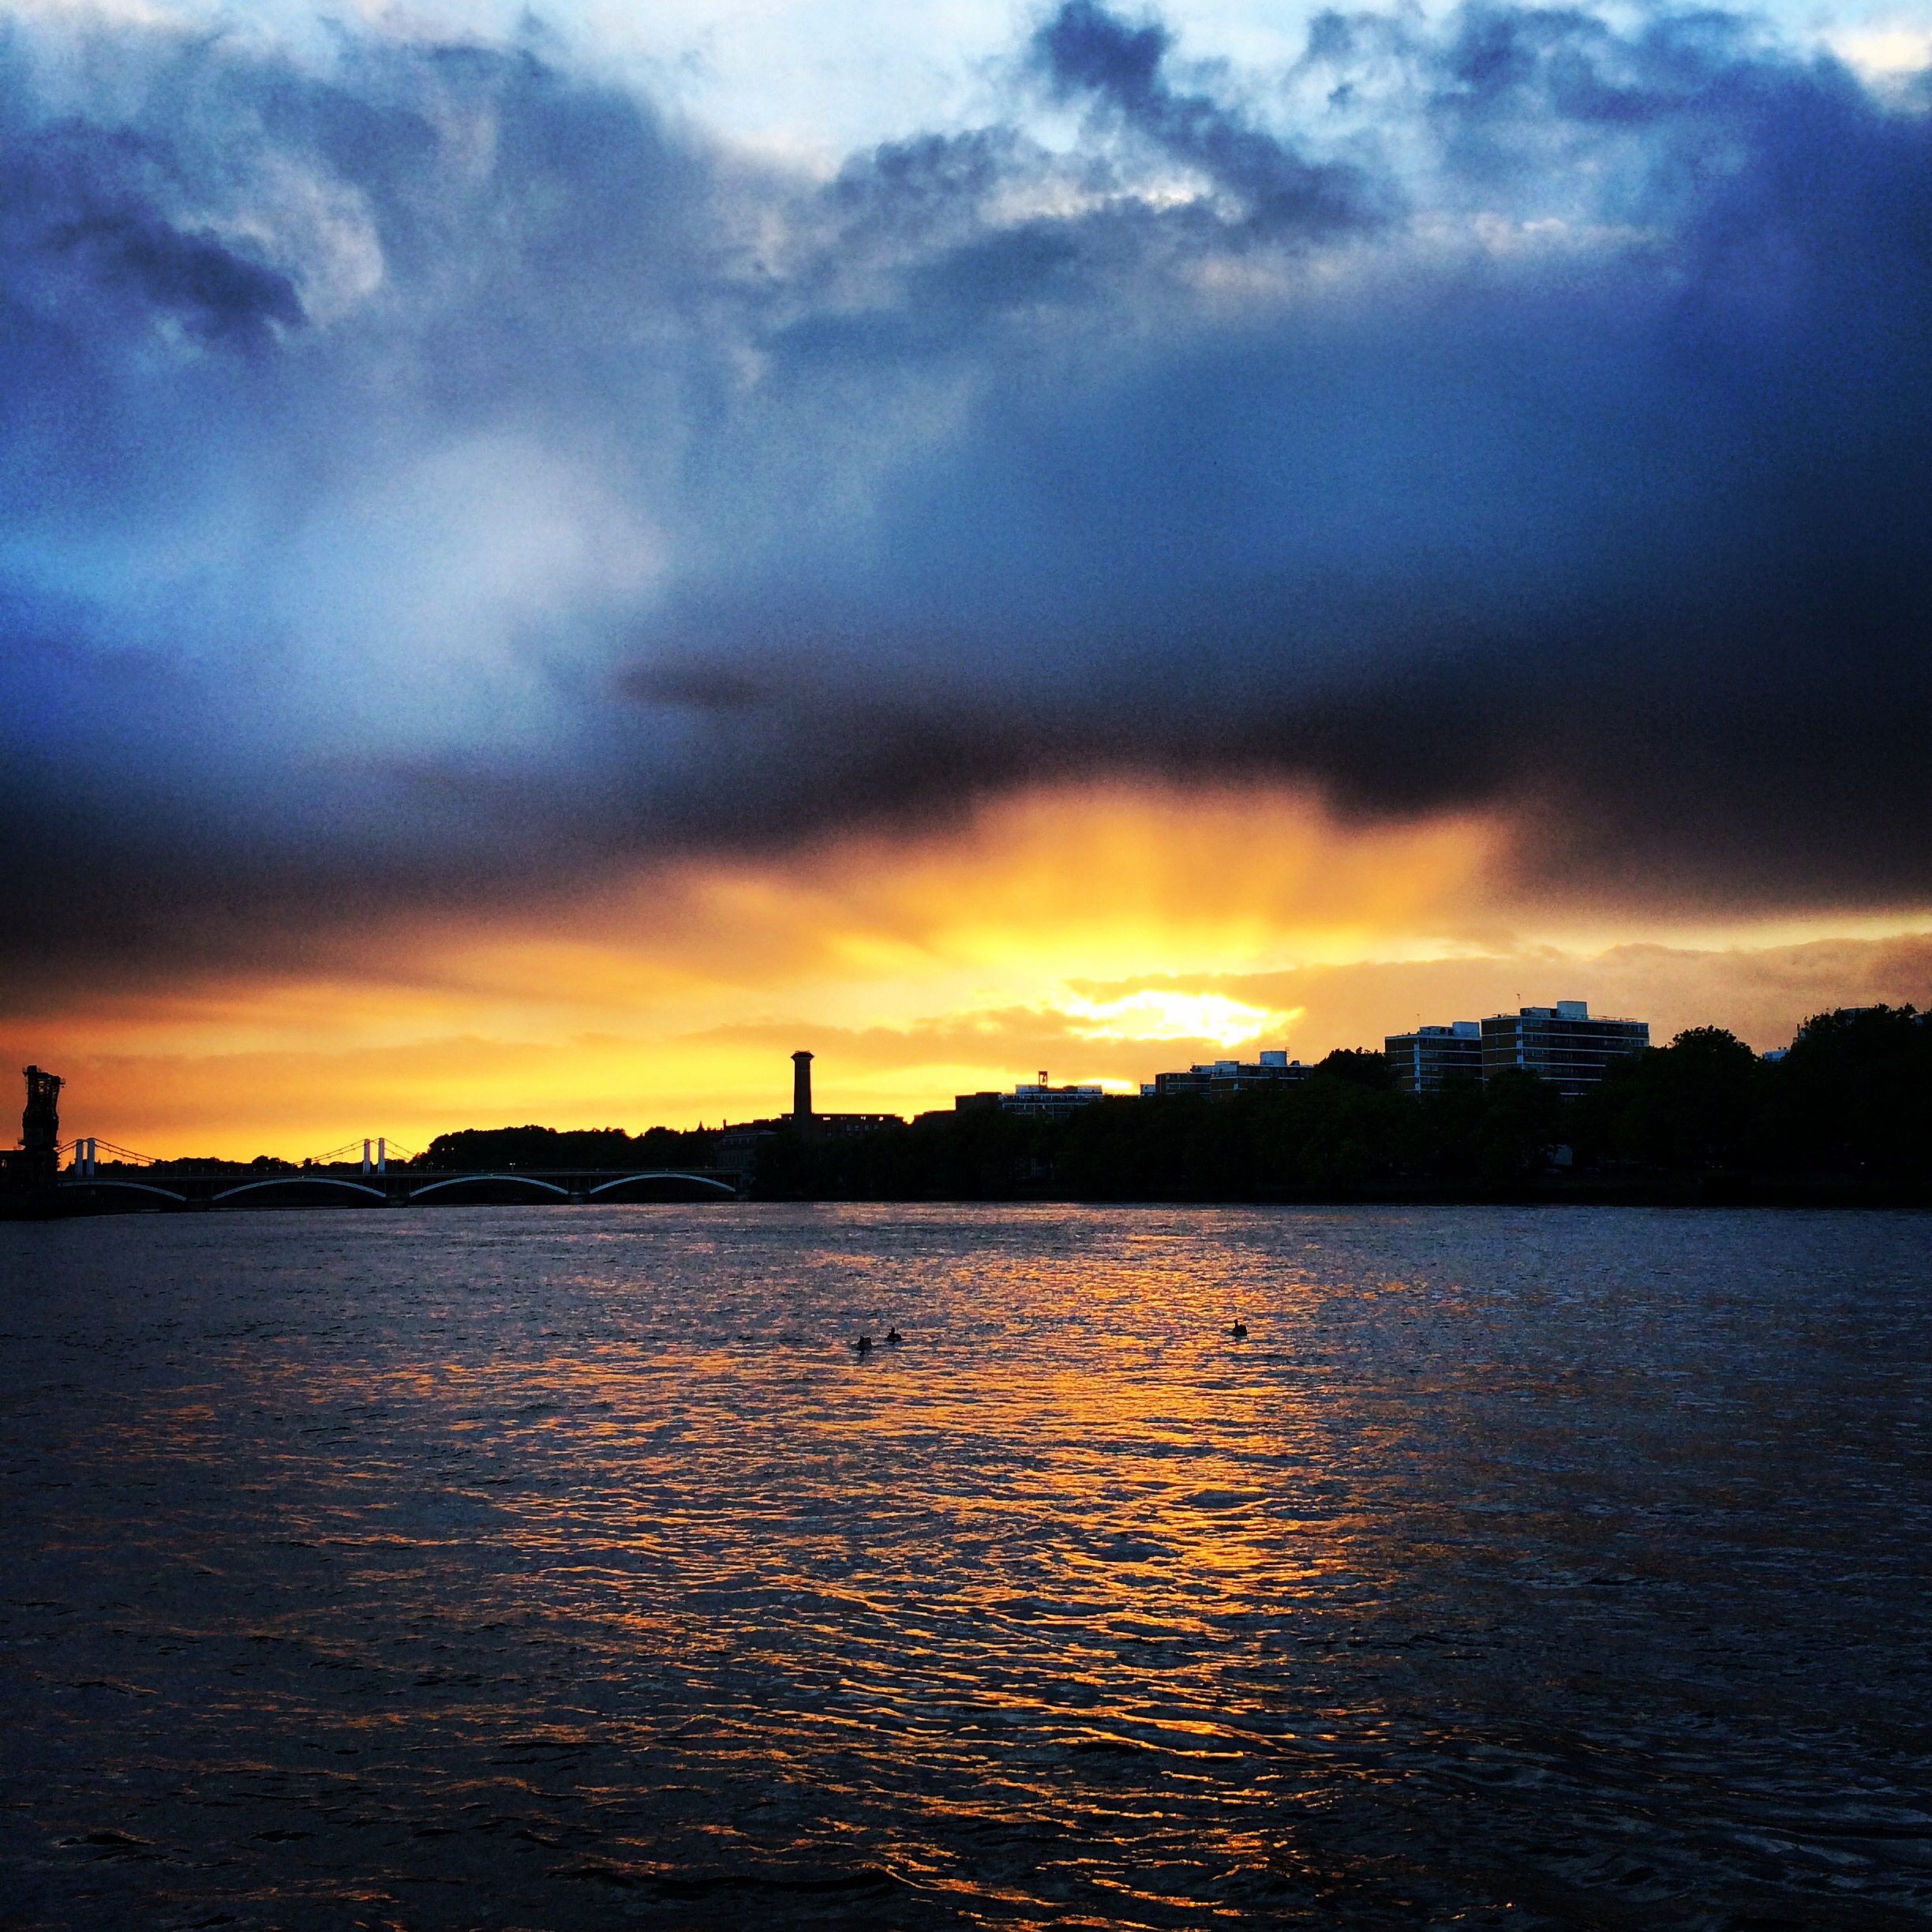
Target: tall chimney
x,y
801,1089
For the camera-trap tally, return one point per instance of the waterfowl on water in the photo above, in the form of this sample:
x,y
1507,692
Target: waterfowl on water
x,y
893,1338
1239,1331
863,1345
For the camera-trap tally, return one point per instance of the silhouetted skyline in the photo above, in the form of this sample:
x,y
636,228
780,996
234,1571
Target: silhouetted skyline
x,y
510,554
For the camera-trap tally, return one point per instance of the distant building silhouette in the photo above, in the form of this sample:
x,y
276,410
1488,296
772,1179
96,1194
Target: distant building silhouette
x,y
35,1162
1561,1044
40,1122
1221,1080
1037,1100
739,1141
1433,1055
1041,1101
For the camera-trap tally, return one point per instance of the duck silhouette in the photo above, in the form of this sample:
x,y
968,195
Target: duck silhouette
x,y
863,1345
1239,1331
893,1338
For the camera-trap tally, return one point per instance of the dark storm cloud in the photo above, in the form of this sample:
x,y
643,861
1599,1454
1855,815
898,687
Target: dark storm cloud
x,y
79,232
438,475
1086,50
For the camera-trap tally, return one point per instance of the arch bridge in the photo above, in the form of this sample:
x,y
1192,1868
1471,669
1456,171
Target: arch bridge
x,y
161,1188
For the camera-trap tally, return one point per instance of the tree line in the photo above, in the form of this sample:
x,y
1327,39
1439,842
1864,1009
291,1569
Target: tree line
x,y
472,1150
1846,1113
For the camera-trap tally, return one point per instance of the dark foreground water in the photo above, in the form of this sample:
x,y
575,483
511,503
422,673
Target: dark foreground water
x,y
549,1569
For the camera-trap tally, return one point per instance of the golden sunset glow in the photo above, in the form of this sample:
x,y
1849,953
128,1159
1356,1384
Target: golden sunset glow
x,y
737,745
1102,933
1155,1013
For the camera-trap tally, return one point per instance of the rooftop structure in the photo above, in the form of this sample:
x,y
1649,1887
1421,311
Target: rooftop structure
x,y
1561,1044
1432,1056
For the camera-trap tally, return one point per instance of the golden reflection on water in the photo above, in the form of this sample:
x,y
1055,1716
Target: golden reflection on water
x,y
1072,1609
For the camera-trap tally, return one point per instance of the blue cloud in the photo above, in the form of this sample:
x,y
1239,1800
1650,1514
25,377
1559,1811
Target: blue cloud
x,y
1085,51
424,473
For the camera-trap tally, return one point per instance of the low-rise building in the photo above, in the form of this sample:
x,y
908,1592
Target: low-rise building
x,y
736,1140
1221,1080
1432,1056
1561,1044
738,1145
1037,1100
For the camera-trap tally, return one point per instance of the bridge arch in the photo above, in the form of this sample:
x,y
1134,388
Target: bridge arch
x,y
655,1173
136,1187
471,1180
298,1179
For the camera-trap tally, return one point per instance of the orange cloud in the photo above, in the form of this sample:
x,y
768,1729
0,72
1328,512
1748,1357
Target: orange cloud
x,y
1102,932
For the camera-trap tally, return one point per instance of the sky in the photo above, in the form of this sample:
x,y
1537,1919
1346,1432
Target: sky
x,y
548,560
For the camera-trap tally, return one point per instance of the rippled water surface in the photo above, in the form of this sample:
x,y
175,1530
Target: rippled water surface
x,y
547,1569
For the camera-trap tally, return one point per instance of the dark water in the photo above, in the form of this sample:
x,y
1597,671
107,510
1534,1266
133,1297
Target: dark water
x,y
552,1569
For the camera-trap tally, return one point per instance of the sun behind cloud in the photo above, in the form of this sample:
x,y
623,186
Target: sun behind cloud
x,y
1154,1014
1105,933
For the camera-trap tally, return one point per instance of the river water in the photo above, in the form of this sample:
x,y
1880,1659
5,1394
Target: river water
x,y
505,1567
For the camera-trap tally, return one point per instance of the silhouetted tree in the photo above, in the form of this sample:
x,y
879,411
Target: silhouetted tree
x,y
1523,1120
1855,1092
1697,1103
1445,1135
1362,1065
472,1149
